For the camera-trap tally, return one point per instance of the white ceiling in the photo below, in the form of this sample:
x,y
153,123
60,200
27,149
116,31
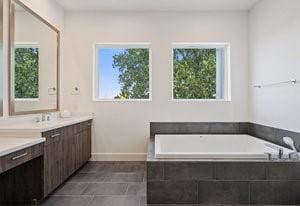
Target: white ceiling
x,y
157,5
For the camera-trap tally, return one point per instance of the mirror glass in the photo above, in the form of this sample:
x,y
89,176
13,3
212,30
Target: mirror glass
x,y
34,63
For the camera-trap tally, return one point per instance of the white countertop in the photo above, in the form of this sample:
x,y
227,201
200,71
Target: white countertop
x,y
10,144
32,126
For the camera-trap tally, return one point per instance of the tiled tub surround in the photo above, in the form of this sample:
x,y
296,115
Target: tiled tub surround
x,y
195,181
216,182
271,134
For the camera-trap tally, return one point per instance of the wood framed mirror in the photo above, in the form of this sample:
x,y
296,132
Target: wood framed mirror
x,y
34,62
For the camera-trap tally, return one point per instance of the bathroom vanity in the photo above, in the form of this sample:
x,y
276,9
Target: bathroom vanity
x,y
66,149
32,168
36,154
21,174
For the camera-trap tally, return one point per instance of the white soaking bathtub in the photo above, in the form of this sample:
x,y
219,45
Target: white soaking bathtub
x,y
204,146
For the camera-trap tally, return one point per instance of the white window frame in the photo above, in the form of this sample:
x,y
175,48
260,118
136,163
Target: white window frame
x,y
27,45
128,45
224,75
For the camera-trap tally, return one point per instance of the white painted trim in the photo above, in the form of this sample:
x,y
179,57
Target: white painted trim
x,y
96,46
95,73
200,45
27,99
119,157
128,45
227,68
27,45
201,100
123,100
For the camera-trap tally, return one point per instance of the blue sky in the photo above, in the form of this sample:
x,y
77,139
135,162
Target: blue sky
x,y
108,76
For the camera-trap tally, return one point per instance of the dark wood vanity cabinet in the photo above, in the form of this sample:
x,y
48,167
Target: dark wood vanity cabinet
x,y
21,175
66,150
20,157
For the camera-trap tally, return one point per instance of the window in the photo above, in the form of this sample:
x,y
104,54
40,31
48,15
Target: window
x,y
122,72
200,71
26,73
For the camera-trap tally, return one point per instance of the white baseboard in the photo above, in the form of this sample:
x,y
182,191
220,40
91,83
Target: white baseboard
x,y
119,156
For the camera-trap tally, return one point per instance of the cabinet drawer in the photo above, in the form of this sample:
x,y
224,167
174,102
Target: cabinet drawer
x,y
17,158
53,135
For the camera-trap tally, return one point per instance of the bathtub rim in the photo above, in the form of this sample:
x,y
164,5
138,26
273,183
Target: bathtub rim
x,y
151,157
214,155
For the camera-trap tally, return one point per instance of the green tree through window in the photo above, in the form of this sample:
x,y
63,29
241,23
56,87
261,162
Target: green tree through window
x,y
26,73
194,73
133,66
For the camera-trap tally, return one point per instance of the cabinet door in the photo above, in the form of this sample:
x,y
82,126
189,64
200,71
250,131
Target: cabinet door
x,y
70,153
86,136
66,169
89,140
53,163
66,150
78,143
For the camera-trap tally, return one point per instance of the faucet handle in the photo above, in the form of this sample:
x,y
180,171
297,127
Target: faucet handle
x,y
43,117
37,119
269,156
277,148
280,153
48,118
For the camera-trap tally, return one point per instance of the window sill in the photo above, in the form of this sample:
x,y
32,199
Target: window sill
x,y
122,100
201,100
27,99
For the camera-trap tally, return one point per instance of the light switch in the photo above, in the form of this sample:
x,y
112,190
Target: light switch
x,y
75,91
52,91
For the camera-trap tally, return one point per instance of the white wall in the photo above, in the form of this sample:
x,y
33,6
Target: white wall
x,y
275,56
121,129
49,10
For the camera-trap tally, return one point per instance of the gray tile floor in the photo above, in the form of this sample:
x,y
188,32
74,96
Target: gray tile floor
x,y
103,184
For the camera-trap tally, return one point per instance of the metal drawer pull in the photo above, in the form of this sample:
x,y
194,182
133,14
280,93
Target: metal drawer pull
x,y
19,156
55,135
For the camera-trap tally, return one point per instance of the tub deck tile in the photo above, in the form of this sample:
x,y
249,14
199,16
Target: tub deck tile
x,y
189,171
223,192
240,171
167,192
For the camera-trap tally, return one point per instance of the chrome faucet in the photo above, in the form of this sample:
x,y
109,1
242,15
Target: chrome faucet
x,y
280,153
44,117
290,142
277,148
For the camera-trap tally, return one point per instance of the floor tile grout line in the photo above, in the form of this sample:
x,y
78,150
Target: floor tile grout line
x,y
127,187
90,202
97,195
70,195
110,182
87,185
